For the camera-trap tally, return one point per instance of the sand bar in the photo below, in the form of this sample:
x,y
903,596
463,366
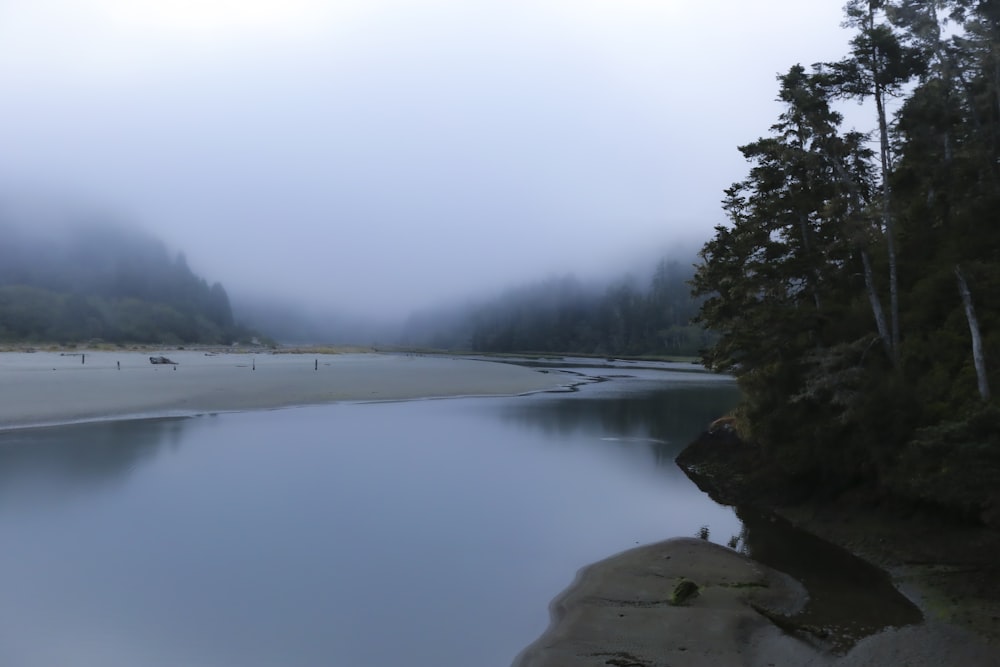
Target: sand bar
x,y
41,388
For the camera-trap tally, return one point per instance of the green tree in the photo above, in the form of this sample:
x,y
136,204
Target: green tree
x,y
793,283
785,282
879,66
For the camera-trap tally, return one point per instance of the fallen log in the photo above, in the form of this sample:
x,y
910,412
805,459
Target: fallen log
x,y
161,360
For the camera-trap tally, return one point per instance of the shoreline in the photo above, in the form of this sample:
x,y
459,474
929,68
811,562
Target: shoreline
x,y
618,611
948,570
623,611
947,567
47,388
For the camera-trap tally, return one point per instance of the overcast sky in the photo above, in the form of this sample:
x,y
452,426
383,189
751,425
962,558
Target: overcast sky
x,y
382,155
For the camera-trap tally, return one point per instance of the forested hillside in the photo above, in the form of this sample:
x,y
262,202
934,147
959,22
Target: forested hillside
x,y
83,281
562,315
855,287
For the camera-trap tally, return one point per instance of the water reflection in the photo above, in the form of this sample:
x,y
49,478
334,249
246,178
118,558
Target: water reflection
x,y
420,533
664,415
47,465
849,599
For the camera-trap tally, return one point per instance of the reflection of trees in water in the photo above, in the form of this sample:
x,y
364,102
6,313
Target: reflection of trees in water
x,y
668,418
68,458
848,597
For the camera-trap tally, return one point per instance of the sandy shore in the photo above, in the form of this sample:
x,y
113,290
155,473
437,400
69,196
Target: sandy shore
x,y
52,387
619,612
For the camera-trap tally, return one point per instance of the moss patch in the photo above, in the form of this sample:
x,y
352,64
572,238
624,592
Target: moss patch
x,y
684,591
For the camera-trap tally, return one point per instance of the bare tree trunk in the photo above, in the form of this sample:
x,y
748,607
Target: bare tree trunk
x,y
977,340
804,229
878,92
996,73
996,93
887,222
883,329
873,298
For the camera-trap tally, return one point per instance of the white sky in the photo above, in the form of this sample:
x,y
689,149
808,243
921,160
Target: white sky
x,y
382,155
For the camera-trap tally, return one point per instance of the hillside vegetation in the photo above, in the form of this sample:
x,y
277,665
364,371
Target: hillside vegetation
x,y
562,315
82,281
854,289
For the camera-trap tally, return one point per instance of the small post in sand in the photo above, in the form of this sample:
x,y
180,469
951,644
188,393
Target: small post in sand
x,y
253,364
83,358
119,365
315,364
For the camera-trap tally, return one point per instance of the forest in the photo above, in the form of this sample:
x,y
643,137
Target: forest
x,y
564,315
89,281
853,290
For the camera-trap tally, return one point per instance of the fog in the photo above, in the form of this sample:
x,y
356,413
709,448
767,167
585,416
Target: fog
x,y
376,157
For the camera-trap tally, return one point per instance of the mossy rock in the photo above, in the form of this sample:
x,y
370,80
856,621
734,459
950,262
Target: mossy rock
x,y
683,591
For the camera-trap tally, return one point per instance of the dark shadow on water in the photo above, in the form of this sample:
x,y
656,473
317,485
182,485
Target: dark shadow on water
x,y
849,599
664,419
55,462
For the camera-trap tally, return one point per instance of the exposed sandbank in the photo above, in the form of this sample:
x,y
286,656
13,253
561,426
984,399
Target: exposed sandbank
x,y
53,387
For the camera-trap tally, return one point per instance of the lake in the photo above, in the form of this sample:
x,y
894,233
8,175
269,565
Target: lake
x,y
423,533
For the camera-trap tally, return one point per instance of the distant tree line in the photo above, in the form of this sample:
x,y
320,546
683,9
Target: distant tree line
x,y
854,290
562,315
97,281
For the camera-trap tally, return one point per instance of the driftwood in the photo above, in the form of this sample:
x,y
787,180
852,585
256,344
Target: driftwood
x,y
161,360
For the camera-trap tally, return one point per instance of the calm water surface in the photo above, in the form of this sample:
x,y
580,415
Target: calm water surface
x,y
418,533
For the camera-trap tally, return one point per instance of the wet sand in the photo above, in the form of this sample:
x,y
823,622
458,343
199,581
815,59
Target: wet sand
x,y
42,388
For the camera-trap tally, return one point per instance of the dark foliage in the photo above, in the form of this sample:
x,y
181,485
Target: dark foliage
x,y
561,315
853,290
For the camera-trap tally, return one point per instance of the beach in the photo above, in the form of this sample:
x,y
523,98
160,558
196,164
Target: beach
x,y
55,387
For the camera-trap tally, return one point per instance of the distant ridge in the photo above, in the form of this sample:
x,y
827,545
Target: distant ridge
x,y
70,278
